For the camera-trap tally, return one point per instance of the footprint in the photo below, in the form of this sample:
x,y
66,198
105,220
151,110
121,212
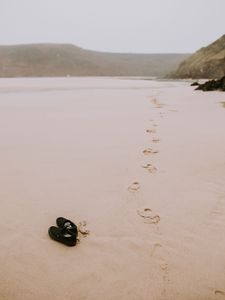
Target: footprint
x,y
164,266
150,168
81,227
157,104
220,294
165,269
155,140
149,218
153,220
150,151
135,186
218,209
173,110
152,130
145,212
154,125
156,245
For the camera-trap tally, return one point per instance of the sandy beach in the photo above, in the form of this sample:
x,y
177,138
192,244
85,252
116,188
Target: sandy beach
x,y
141,161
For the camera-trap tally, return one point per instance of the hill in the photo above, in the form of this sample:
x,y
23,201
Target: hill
x,y
208,62
37,60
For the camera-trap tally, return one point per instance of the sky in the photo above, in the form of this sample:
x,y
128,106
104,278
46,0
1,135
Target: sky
x,y
134,26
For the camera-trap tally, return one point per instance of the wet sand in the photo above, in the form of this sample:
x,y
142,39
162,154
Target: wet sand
x,y
141,161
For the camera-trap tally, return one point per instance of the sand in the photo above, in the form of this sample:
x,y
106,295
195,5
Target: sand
x,y
142,162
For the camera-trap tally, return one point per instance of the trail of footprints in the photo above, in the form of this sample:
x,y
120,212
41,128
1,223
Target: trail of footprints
x,y
146,213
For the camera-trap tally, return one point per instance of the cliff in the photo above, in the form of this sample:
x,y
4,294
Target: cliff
x,y
208,62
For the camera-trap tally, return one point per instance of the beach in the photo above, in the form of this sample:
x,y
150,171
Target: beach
x,y
142,162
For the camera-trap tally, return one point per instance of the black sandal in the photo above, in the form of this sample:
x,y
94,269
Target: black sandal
x,y
62,235
67,224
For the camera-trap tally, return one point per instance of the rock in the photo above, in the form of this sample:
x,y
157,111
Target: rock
x,y
194,83
212,85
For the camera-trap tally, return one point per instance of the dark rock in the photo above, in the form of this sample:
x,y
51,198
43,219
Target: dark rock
x,y
194,83
212,85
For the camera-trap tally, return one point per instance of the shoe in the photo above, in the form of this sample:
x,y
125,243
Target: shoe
x,y
67,224
62,235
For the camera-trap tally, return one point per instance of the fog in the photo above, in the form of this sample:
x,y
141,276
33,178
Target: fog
x,y
145,26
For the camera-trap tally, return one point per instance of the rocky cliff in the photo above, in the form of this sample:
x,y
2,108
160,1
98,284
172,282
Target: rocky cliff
x,y
208,62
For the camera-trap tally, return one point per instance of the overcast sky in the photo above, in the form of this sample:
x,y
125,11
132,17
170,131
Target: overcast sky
x,y
146,26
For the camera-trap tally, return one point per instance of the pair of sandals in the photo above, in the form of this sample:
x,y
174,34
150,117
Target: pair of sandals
x,y
66,232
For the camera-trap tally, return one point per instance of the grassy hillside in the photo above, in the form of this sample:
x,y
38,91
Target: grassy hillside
x,y
66,59
208,62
